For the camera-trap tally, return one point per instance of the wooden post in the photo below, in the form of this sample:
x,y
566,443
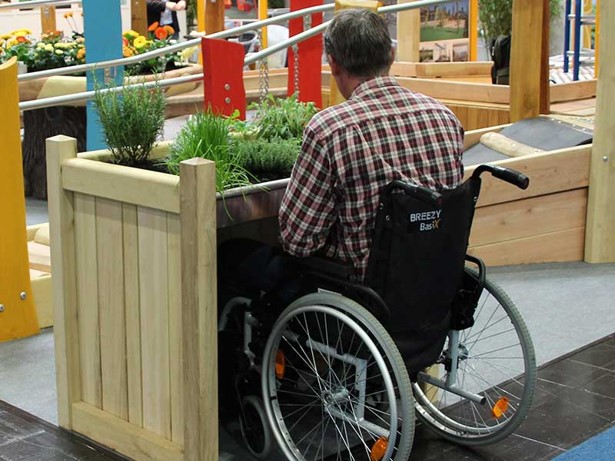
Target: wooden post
x,y
408,34
199,308
17,312
528,87
65,319
473,30
600,227
48,19
214,16
138,16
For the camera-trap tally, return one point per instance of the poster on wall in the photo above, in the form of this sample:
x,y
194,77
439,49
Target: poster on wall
x,y
444,32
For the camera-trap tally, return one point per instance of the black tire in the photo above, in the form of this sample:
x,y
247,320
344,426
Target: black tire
x,y
254,426
343,385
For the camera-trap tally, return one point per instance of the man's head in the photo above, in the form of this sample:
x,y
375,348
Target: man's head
x,y
358,42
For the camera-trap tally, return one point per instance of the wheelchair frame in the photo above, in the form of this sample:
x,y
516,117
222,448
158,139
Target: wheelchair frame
x,y
319,331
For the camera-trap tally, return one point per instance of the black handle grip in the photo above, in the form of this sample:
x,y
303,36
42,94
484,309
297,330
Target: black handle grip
x,y
424,194
505,174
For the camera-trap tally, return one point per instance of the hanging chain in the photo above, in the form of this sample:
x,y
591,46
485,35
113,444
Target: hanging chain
x,y
263,72
295,48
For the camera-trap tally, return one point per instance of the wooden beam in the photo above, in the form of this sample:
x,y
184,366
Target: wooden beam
x,y
600,236
48,19
214,17
527,87
408,33
138,16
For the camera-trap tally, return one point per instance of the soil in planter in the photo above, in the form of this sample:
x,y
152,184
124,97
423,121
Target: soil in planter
x,y
40,124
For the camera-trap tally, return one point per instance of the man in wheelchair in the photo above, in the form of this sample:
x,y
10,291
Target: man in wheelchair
x,y
324,341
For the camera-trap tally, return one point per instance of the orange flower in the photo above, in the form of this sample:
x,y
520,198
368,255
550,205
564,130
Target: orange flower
x,y
161,33
153,26
127,52
169,30
81,53
22,39
125,42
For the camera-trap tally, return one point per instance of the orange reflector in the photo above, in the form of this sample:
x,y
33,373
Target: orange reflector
x,y
280,364
379,449
500,407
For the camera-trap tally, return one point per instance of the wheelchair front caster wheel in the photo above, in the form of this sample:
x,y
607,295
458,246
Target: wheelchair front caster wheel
x,y
255,428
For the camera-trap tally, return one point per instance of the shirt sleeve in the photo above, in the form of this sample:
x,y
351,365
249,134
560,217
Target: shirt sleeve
x,y
307,211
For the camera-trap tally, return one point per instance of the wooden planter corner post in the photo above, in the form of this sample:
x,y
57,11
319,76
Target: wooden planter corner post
x,y
199,308
600,235
134,277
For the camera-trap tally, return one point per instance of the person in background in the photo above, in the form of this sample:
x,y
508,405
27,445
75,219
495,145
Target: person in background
x,y
350,151
165,13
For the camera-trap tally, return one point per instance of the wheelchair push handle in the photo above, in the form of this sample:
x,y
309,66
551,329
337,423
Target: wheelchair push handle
x,y
424,194
505,174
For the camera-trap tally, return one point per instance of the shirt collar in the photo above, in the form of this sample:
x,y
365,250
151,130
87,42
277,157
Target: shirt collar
x,y
372,84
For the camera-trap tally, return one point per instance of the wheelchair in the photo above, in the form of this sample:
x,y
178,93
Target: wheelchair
x,y
342,371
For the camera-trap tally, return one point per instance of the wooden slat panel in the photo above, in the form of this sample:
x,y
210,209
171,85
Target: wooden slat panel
x,y
175,328
128,439
111,307
563,92
153,287
560,246
133,318
470,92
87,298
524,218
131,185
549,172
454,69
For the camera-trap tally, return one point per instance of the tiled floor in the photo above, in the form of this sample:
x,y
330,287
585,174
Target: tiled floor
x,y
575,400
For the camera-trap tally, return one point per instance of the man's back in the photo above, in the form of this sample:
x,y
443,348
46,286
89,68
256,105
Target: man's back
x,y
350,151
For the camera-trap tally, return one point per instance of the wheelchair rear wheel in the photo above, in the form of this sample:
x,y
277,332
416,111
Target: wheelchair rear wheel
x,y
334,383
496,368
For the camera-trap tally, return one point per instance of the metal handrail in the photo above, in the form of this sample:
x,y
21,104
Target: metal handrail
x,y
35,3
173,48
86,95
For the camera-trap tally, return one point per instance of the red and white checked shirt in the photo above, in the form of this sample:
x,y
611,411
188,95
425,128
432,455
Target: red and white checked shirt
x,y
350,152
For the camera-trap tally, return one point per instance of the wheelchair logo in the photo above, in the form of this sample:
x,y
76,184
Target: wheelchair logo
x,y
425,221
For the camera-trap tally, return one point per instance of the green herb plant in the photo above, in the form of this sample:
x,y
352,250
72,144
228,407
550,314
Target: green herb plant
x,y
281,118
206,135
265,159
132,120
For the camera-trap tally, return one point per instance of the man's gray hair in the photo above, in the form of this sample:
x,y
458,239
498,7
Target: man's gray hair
x,y
359,41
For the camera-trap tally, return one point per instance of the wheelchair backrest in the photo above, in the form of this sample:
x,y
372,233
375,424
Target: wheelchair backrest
x,y
417,256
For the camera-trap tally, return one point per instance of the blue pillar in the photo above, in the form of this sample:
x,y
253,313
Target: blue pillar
x,y
102,25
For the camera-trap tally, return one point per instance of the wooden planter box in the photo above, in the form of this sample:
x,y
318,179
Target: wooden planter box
x,y
134,275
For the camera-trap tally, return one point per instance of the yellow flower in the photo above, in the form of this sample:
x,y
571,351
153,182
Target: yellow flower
x,y
59,52
140,42
127,52
131,34
49,47
81,53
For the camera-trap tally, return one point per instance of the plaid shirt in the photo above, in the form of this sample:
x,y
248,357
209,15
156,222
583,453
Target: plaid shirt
x,y
350,152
